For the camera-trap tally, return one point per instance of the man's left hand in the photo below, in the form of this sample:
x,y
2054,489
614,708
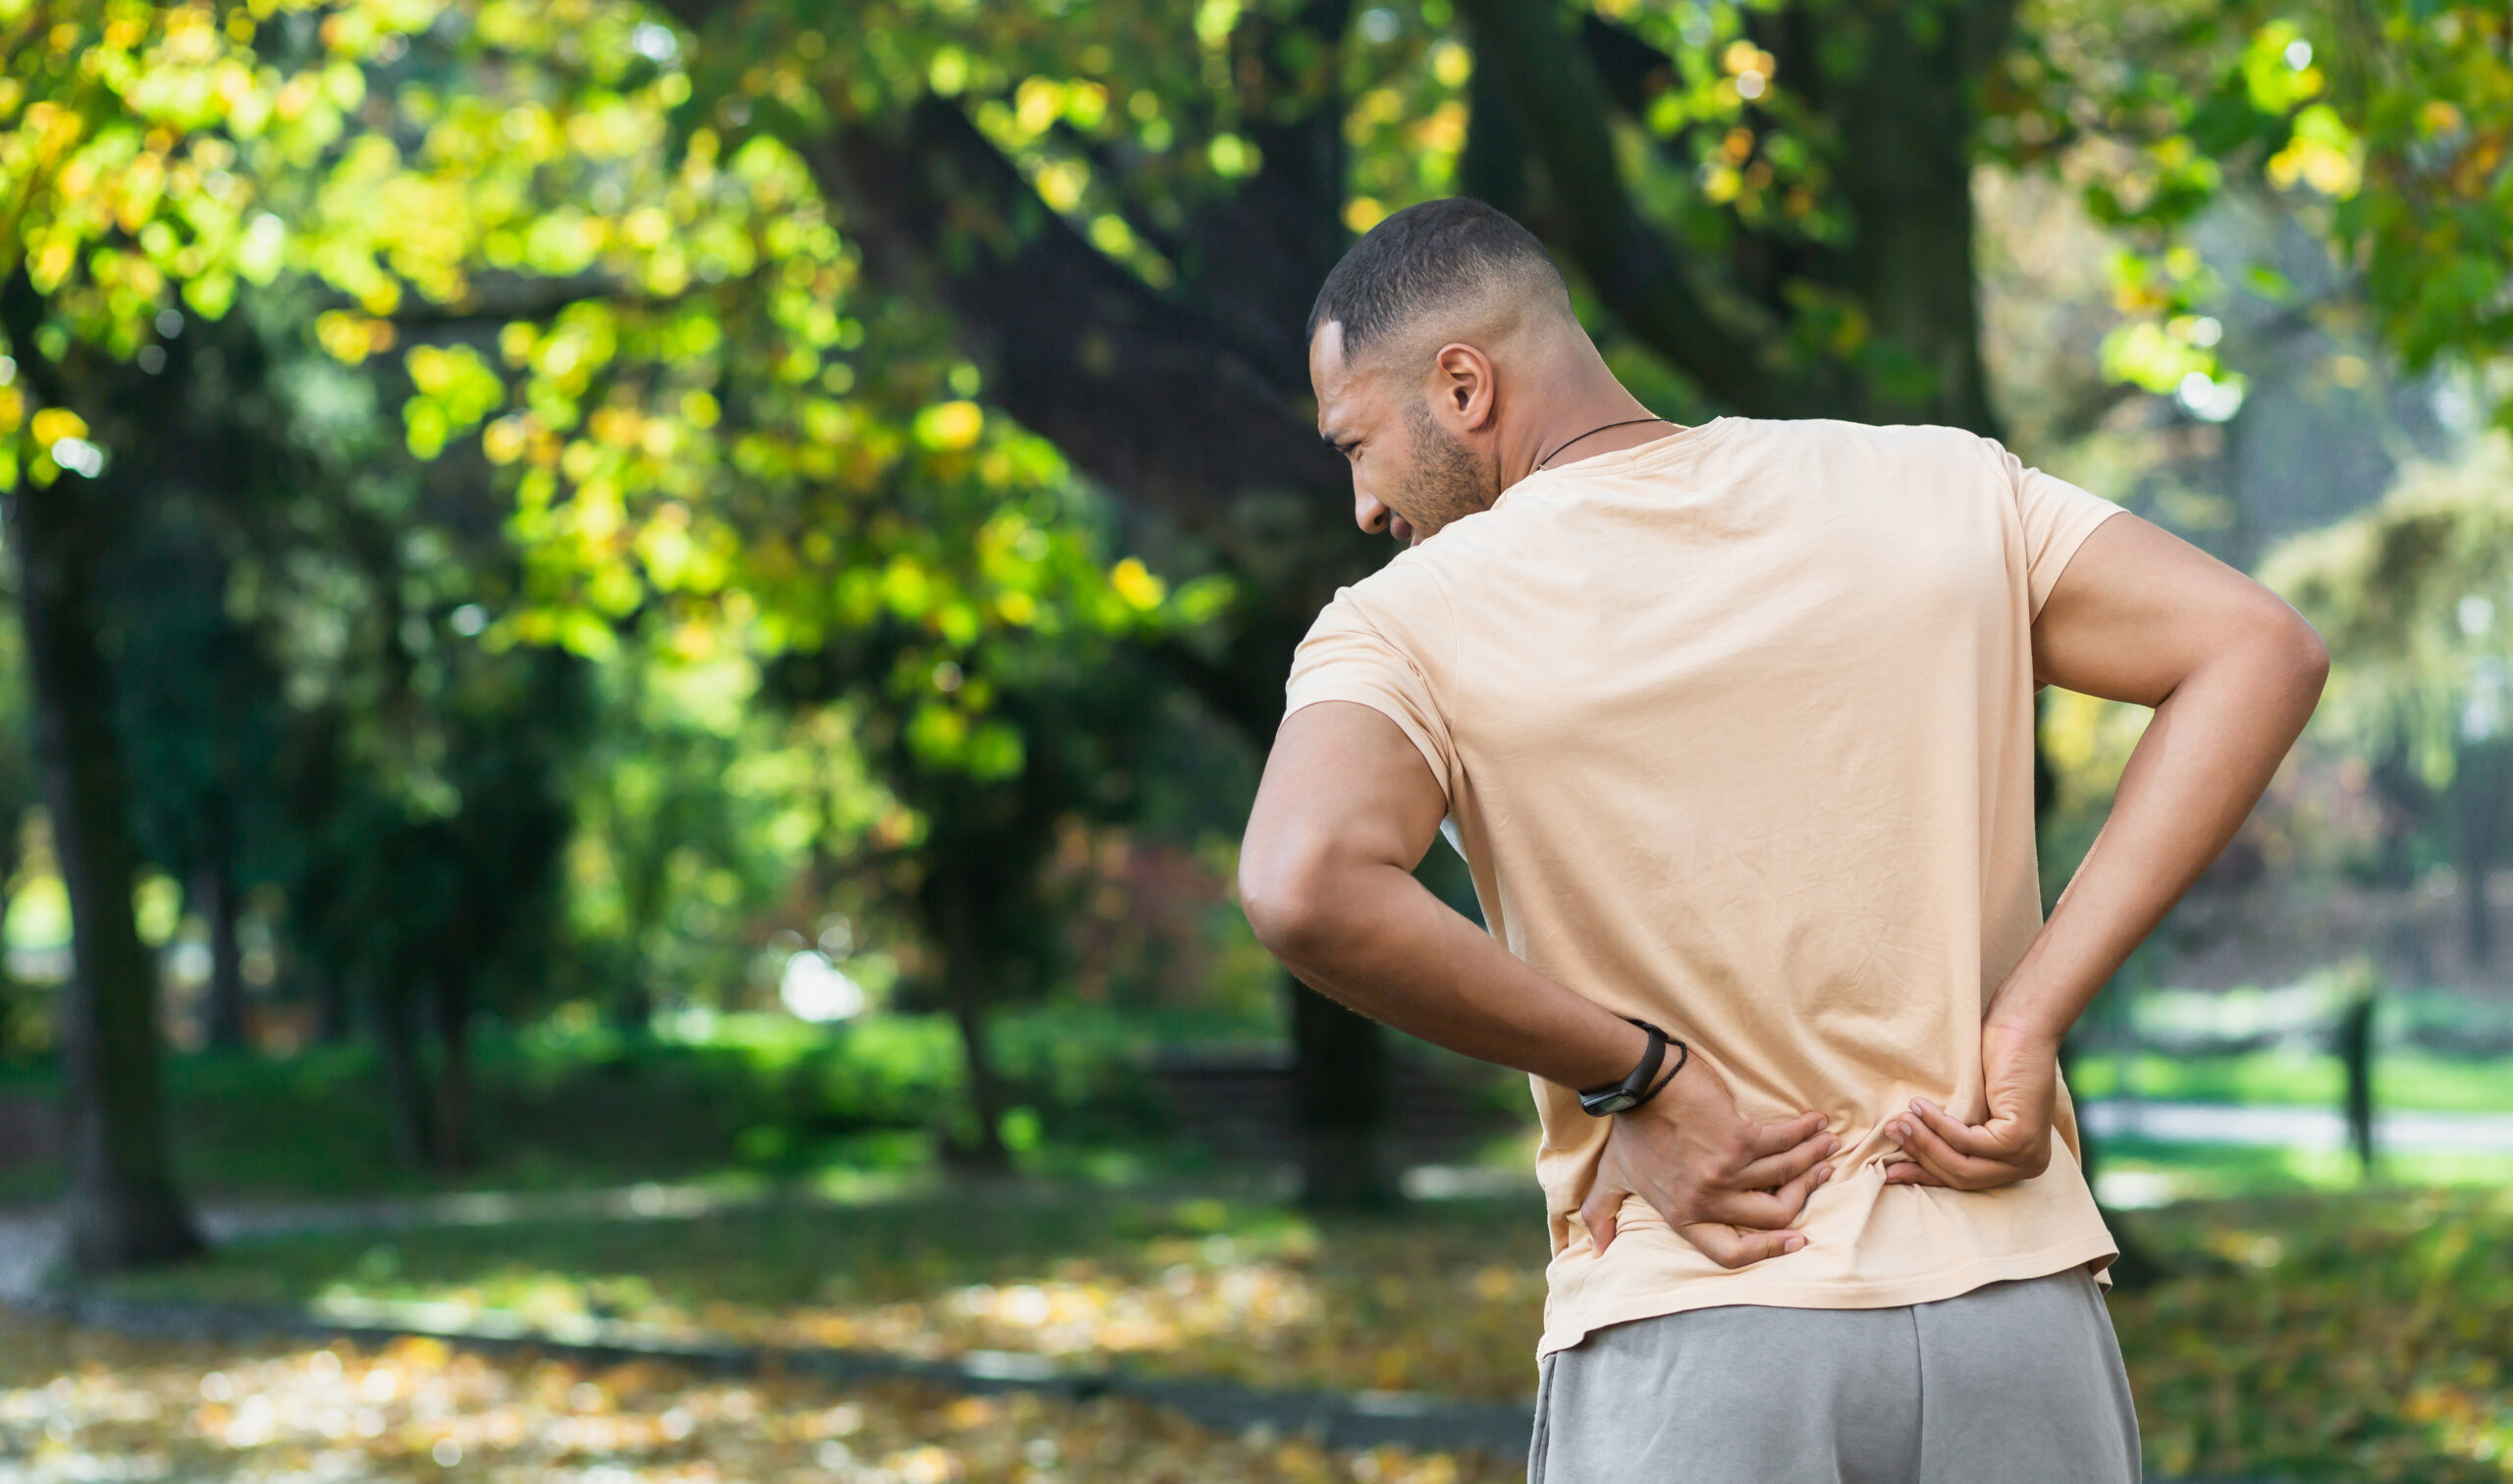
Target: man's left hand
x,y
2012,1139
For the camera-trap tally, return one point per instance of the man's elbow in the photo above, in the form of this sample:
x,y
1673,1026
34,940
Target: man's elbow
x,y
1287,900
2281,659
2300,653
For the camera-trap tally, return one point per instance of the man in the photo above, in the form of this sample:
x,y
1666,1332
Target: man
x,y
1734,725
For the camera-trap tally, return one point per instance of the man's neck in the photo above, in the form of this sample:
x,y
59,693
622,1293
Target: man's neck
x,y
1591,414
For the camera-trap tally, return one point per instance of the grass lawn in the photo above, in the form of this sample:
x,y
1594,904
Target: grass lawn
x,y
2358,1335
763,1098
744,1096
2138,1173
2403,1079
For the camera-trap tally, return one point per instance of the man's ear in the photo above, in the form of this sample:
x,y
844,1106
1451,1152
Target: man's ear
x,y
1468,391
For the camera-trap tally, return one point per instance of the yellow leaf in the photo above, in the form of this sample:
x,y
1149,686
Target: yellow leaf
x,y
950,426
503,440
1134,582
53,424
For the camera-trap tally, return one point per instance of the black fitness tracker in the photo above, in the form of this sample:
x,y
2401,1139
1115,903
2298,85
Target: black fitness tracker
x,y
1643,1081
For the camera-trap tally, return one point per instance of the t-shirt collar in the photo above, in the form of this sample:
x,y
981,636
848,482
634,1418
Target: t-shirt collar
x,y
1622,459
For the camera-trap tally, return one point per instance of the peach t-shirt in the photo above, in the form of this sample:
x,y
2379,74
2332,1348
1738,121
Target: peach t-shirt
x,y
1735,729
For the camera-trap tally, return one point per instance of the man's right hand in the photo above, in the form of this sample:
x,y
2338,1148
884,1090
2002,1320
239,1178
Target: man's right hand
x,y
1729,1186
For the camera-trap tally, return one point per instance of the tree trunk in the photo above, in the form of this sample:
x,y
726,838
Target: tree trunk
x,y
1339,1105
122,1207
453,1143
452,1076
13,822
2356,1054
2404,807
332,1021
632,1002
404,1086
963,962
214,897
2482,791
2478,928
1906,114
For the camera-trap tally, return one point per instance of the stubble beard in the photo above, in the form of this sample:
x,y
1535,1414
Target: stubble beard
x,y
1448,482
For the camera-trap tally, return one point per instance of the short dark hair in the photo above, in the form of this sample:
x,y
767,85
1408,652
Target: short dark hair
x,y
1423,256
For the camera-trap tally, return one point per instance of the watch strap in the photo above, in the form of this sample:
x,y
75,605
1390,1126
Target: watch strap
x,y
1639,1085
1684,1054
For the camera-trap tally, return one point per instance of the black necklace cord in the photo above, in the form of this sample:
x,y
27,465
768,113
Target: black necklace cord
x,y
1593,432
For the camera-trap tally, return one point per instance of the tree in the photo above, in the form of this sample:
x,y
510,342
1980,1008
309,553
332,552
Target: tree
x,y
1061,714
141,148
198,703
18,798
697,471
122,1207
117,125
2408,596
430,776
440,903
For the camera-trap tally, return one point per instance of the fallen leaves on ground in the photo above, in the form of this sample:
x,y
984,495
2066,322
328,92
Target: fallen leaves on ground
x,y
1446,1300
2358,1337
2364,1338
78,1405
1279,1314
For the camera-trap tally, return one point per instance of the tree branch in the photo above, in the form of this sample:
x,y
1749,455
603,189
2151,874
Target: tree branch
x,y
503,296
1171,402
1758,264
1553,88
1139,392
1150,396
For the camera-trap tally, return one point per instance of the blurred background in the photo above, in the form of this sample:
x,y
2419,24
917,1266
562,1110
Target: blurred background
x,y
637,636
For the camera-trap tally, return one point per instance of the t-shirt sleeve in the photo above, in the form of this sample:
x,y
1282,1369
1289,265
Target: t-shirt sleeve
x,y
1347,657
2058,517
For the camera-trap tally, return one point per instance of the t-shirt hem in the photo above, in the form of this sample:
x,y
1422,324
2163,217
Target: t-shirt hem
x,y
1924,1288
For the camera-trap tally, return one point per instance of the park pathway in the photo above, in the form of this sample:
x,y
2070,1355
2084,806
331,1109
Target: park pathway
x,y
2294,1128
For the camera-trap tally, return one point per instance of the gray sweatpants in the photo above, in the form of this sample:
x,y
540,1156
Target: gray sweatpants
x,y
2014,1382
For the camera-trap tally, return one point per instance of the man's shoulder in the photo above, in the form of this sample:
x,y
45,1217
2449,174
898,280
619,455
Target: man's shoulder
x,y
1408,579
1909,469
1393,603
1897,440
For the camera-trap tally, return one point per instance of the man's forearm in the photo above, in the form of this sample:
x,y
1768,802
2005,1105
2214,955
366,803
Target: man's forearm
x,y
2206,758
1371,935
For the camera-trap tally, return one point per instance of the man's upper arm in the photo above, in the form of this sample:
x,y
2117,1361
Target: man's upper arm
x,y
2137,610
1342,786
1361,767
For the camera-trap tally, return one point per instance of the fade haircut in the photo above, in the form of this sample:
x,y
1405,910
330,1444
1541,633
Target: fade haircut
x,y
1455,255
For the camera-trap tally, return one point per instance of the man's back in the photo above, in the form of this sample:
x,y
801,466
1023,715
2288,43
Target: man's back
x,y
1737,731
